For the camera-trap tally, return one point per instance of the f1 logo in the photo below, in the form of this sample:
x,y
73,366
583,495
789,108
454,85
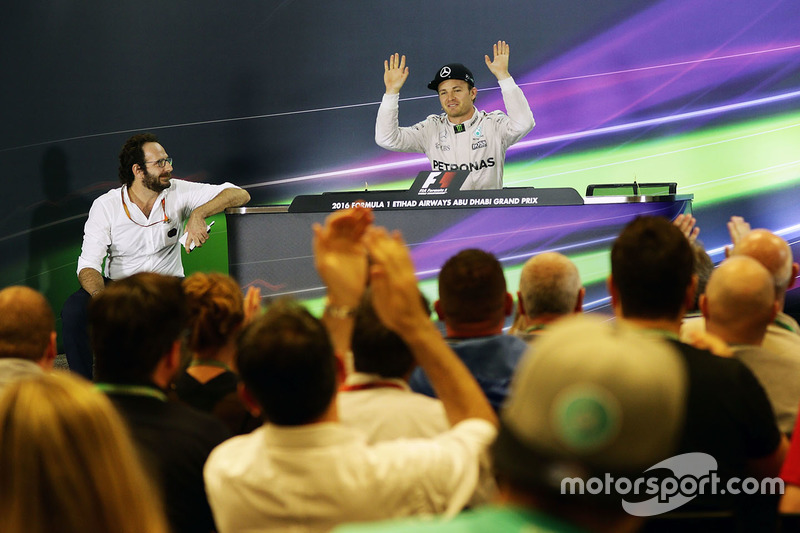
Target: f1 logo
x,y
442,178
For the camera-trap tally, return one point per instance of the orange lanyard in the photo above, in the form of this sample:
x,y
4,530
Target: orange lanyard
x,y
127,211
371,385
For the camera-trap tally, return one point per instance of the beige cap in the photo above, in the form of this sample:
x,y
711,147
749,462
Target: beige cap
x,y
591,397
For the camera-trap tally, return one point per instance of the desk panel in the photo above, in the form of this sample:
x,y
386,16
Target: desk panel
x,y
270,248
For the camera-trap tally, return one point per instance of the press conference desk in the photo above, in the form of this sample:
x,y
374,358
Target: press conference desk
x,y
270,247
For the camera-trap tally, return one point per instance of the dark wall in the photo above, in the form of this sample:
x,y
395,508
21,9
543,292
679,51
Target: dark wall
x,y
263,92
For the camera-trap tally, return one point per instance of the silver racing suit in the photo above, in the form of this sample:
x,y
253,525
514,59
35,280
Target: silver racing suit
x,y
480,148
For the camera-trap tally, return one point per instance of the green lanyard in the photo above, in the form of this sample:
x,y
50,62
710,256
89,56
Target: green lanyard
x,y
535,327
209,362
783,325
132,390
664,333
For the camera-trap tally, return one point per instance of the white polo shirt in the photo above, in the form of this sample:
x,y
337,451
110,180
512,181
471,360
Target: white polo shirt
x,y
131,248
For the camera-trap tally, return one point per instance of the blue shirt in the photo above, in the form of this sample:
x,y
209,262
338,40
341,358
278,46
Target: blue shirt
x,y
491,360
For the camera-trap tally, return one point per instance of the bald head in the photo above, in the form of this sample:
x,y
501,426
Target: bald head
x,y
26,325
739,302
550,284
773,253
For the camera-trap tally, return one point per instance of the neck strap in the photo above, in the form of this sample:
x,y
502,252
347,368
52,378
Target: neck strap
x,y
371,385
209,362
132,390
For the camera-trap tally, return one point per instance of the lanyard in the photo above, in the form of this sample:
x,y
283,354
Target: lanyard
x,y
132,390
664,333
371,385
209,362
535,327
127,211
783,325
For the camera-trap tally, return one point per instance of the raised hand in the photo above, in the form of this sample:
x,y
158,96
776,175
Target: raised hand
x,y
738,227
395,73
688,226
252,304
340,256
395,295
499,65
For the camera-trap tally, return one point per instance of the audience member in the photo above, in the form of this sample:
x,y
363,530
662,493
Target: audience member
x,y
588,404
136,327
473,304
68,464
728,414
783,334
377,400
304,471
217,313
27,334
738,306
376,397
703,267
549,288
790,474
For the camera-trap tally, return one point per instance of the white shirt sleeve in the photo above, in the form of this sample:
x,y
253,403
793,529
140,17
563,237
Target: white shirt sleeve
x,y
520,117
96,237
445,469
389,135
190,195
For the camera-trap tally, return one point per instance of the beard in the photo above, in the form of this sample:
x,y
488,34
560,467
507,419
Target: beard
x,y
154,183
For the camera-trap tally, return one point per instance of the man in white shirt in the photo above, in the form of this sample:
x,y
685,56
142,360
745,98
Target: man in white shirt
x,y
376,398
136,228
305,471
462,138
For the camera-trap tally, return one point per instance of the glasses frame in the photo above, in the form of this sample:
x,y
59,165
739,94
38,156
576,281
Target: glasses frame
x,y
161,163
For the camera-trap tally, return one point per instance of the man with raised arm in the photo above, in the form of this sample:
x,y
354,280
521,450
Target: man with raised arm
x,y
775,254
461,138
137,228
305,471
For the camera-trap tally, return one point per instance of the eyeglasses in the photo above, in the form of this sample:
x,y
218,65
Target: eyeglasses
x,y
161,163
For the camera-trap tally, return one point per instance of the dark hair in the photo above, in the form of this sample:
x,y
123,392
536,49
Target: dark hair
x,y
652,265
703,267
286,361
26,322
472,287
132,154
133,324
376,348
215,307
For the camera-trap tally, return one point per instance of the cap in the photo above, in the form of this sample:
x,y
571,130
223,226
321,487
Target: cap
x,y
453,71
591,397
